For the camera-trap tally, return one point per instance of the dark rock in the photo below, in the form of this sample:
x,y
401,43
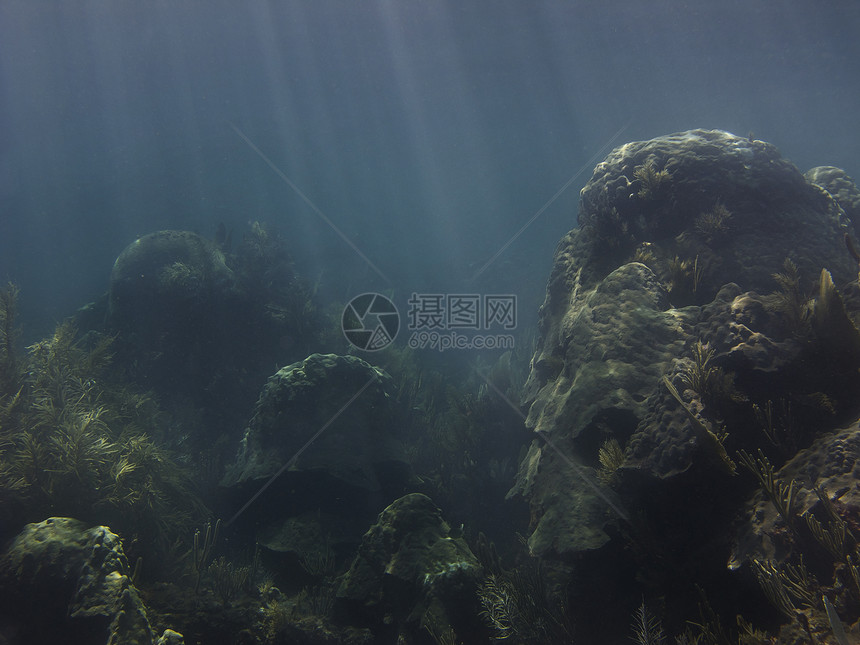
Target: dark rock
x,y
411,572
831,464
619,340
677,239
163,276
841,187
329,414
183,323
323,442
69,583
203,329
771,211
308,547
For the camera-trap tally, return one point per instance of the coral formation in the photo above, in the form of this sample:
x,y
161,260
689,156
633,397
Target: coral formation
x,y
411,569
296,423
655,336
64,580
690,427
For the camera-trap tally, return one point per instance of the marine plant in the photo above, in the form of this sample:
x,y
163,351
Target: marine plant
x,y
789,302
801,596
715,223
202,552
516,604
229,580
651,181
684,278
781,495
646,627
442,635
709,381
611,457
779,425
316,601
181,278
277,615
714,440
80,443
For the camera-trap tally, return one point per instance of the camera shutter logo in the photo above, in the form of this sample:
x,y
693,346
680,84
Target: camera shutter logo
x,y
370,322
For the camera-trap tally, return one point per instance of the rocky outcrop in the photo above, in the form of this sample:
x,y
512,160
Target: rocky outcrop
x,y
841,187
328,414
66,582
323,441
832,465
163,272
202,327
671,315
411,572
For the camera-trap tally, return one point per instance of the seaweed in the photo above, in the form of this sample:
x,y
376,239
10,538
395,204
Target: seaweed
x,y
715,223
789,302
651,181
781,495
76,440
612,458
646,627
517,606
714,440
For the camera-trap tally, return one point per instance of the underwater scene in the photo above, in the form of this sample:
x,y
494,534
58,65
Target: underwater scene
x,y
429,322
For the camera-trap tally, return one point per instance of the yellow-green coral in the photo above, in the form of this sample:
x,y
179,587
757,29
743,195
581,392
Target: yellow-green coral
x,y
685,276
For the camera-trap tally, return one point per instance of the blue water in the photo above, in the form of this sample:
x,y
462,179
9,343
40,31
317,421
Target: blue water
x,y
428,133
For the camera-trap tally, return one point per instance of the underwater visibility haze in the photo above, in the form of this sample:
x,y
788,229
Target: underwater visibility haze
x,y
429,322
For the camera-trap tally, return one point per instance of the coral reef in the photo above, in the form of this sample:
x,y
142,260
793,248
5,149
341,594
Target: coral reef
x,y
681,317
411,572
688,437
841,187
202,327
64,581
297,424
82,441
